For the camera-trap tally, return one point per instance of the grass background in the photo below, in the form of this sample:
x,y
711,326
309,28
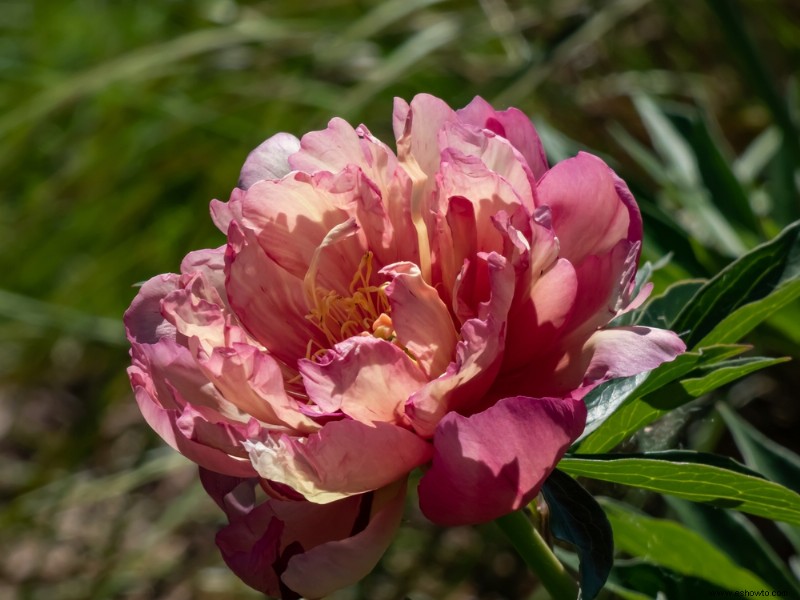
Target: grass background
x,y
120,120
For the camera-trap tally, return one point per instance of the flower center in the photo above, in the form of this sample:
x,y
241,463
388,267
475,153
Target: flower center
x,y
365,310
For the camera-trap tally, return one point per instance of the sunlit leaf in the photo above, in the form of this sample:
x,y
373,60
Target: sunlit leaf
x,y
672,545
693,481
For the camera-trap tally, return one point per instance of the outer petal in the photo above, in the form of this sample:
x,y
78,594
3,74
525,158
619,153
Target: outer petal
x,y
625,351
294,548
342,459
589,216
367,378
494,462
270,160
334,565
420,318
175,397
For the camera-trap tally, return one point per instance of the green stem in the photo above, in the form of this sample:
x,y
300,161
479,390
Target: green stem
x,y
530,545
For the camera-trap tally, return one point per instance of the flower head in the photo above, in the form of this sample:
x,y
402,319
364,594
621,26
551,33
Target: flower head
x,y
443,306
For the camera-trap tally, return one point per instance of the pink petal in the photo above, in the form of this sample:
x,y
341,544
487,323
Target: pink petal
x,y
268,301
348,377
589,215
344,458
478,354
467,177
494,462
163,406
340,146
419,124
625,351
496,153
293,548
337,564
290,219
270,160
222,213
420,319
513,125
537,321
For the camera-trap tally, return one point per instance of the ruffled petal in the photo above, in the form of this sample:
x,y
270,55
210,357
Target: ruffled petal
x,y
290,219
467,177
496,153
420,318
366,378
270,160
589,216
268,301
513,125
419,123
343,459
478,355
494,462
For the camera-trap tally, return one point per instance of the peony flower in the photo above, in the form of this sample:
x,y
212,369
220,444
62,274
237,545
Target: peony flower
x,y
444,307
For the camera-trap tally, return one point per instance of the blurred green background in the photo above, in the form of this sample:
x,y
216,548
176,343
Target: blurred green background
x,y
120,120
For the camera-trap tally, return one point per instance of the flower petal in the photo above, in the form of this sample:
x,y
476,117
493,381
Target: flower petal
x,y
420,318
290,219
268,301
344,458
337,564
348,377
513,125
588,214
625,351
496,153
294,548
478,355
270,160
494,462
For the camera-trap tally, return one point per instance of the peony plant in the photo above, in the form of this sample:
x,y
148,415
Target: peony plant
x,y
445,307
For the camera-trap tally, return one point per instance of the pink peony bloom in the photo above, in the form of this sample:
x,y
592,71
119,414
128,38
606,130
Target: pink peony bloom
x,y
444,307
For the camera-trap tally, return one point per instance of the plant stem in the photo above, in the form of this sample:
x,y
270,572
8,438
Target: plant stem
x,y
530,545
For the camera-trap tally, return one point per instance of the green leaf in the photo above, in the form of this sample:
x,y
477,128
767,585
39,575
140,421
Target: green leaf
x,y
773,460
611,399
761,453
575,517
739,538
752,278
693,481
727,371
662,583
741,321
661,310
670,544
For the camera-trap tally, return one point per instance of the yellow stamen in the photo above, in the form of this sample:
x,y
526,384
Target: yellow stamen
x,y
339,317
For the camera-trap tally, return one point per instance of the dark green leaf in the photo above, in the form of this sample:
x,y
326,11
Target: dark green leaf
x,y
749,279
661,310
575,517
